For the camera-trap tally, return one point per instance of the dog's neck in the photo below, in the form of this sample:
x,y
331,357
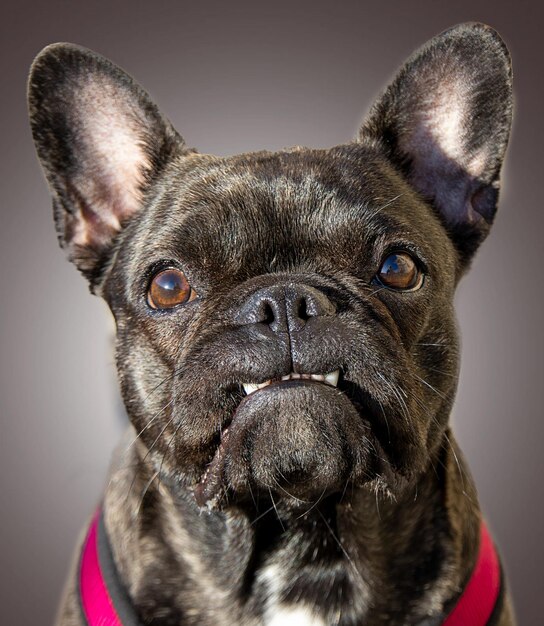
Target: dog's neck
x,y
365,555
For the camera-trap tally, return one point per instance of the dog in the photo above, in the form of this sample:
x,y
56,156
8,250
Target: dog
x,y
286,349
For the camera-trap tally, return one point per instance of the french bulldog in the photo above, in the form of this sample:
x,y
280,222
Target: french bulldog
x,y
286,345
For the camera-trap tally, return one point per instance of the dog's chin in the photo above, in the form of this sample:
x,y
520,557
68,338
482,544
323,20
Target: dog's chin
x,y
300,439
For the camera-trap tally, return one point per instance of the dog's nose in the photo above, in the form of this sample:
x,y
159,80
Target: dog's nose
x,y
285,308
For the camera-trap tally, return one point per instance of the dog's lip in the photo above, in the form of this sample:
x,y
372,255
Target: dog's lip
x,y
207,488
249,389
330,379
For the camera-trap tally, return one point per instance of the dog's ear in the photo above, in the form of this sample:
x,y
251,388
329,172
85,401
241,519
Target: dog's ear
x,y
444,122
101,142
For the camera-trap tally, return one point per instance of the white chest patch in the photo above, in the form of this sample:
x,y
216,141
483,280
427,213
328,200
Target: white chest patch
x,y
276,613
293,617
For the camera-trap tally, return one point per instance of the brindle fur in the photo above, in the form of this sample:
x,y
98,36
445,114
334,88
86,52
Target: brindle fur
x,y
354,503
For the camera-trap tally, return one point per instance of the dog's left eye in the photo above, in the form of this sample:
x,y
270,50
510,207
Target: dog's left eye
x,y
168,288
399,271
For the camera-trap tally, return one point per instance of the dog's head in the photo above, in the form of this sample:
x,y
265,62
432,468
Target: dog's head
x,y
284,320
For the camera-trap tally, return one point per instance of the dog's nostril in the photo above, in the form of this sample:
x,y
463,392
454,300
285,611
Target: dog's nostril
x,y
268,313
302,310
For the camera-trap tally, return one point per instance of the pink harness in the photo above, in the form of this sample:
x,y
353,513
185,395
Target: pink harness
x,y
104,601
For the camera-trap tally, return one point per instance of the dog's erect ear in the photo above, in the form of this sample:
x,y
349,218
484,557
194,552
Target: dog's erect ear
x,y
101,142
444,122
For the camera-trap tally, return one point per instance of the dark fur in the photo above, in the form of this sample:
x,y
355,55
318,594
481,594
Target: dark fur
x,y
358,495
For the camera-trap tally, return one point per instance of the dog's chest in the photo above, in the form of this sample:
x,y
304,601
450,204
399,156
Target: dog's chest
x,y
276,612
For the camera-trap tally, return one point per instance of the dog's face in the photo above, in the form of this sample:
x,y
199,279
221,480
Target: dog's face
x,y
284,320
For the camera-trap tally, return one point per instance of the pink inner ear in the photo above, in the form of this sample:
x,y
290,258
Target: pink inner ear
x,y
437,139
441,124
108,189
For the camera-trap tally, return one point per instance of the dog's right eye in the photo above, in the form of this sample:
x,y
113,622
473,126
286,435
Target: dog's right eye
x,y
168,289
399,271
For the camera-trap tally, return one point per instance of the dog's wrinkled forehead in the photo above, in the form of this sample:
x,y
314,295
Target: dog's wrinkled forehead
x,y
300,209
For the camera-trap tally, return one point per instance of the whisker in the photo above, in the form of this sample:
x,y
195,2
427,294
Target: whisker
x,y
169,377
158,437
149,424
158,385
339,543
404,408
461,473
127,449
430,387
251,494
344,490
176,430
315,503
285,490
149,451
373,293
434,369
377,504
389,203
386,421
145,490
262,515
276,509
448,441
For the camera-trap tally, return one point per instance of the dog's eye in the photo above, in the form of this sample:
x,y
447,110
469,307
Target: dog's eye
x,y
169,288
399,271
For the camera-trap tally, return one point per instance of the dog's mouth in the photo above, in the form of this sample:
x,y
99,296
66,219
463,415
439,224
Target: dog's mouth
x,y
247,389
209,485
329,379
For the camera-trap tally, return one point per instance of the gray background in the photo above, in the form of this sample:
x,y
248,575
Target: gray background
x,y
235,78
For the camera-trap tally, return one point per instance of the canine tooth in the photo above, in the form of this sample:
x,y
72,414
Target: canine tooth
x,y
332,378
249,388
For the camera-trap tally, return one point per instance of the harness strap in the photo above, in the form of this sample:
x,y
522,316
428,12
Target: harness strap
x,y
104,601
481,600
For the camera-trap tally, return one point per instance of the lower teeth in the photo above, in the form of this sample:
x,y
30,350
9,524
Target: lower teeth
x,y
330,379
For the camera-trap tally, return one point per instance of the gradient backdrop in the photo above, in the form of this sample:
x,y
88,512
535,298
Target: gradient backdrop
x,y
236,77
